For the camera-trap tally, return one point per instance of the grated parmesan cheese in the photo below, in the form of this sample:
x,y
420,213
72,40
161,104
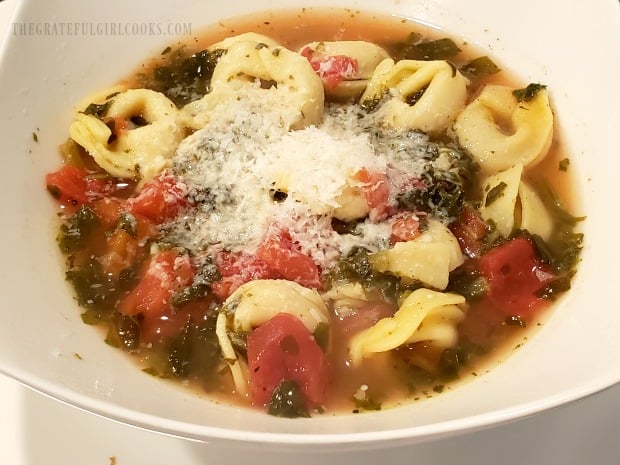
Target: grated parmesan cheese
x,y
245,153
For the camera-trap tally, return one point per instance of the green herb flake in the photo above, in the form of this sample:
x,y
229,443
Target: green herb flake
x,y
563,165
528,93
495,193
35,137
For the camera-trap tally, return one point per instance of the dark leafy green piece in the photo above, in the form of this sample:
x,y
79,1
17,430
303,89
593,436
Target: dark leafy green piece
x,y
454,358
93,288
415,48
98,109
528,93
180,352
288,401
74,233
479,67
356,267
184,78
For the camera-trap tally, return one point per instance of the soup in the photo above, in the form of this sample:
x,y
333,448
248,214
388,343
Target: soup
x,y
309,215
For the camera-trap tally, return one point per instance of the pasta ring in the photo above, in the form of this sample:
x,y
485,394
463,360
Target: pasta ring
x,y
526,141
443,93
298,91
140,153
366,56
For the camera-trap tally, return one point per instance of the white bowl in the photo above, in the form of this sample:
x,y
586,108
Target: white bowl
x,y
45,345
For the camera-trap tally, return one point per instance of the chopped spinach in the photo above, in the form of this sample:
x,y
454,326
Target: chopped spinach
x,y
415,47
528,93
479,67
454,358
93,288
287,401
74,233
98,109
356,267
184,78
180,352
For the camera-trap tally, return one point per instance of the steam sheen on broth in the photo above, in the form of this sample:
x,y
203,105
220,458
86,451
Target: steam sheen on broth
x,y
316,212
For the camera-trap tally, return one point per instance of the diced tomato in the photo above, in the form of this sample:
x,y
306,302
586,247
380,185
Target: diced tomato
x,y
160,198
108,211
283,349
332,69
284,257
469,230
74,186
377,190
121,252
405,227
238,269
514,273
164,274
119,125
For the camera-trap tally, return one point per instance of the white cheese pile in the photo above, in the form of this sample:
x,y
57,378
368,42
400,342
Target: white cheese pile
x,y
243,155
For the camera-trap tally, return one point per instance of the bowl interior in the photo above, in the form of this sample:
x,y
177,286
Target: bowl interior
x,y
44,343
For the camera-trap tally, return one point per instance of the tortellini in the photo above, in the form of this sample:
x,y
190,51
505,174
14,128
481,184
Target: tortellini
x,y
429,258
297,90
500,192
425,315
359,58
256,302
500,131
245,37
506,191
535,217
229,355
424,95
137,153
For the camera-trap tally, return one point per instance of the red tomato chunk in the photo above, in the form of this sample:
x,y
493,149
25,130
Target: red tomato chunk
x,y
74,186
514,273
283,349
160,198
166,273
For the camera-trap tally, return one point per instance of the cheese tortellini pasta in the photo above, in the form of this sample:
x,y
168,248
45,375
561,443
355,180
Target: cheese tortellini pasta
x,y
425,315
255,302
500,131
509,202
424,95
136,153
297,90
245,37
429,258
358,58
